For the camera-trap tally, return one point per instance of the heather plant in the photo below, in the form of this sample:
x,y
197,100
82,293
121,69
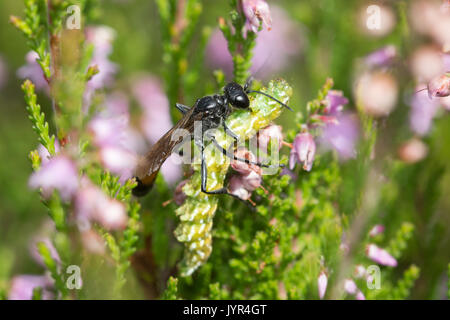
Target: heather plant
x,y
356,210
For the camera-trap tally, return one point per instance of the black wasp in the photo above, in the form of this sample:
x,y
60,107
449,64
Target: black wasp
x,y
212,111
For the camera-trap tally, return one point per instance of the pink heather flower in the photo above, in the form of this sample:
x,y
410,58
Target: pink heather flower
x,y
33,71
60,174
360,296
382,57
22,287
272,133
256,11
35,253
156,120
350,286
112,215
342,136
273,50
439,87
92,204
322,282
335,102
360,271
423,111
413,151
237,188
118,161
108,131
377,92
101,37
44,155
380,256
242,167
154,103
303,151
252,180
116,105
376,230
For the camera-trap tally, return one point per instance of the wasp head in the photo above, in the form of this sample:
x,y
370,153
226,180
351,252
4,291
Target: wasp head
x,y
236,95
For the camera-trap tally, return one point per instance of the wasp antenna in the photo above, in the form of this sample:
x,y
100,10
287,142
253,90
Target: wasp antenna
x,y
274,99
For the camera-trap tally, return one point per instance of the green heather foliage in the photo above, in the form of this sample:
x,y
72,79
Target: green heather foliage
x,y
301,224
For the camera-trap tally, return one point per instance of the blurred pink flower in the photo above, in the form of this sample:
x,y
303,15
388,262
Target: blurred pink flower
x,y
342,136
256,11
273,50
112,214
101,37
360,271
93,242
44,155
377,93
153,101
108,131
156,120
272,133
413,151
380,256
376,230
359,295
432,18
335,102
303,151
423,111
322,283
350,286
382,57
60,174
22,287
33,71
116,105
118,161
92,204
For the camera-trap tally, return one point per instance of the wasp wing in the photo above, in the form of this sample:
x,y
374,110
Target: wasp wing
x,y
149,165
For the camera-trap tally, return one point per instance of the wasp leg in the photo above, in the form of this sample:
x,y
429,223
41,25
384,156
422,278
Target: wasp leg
x,y
232,156
230,132
182,108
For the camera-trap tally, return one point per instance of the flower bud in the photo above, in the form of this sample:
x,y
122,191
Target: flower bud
x,y
413,151
242,167
271,133
376,230
303,151
322,282
380,256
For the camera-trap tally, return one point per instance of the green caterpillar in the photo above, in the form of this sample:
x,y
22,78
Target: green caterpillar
x,y
197,212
